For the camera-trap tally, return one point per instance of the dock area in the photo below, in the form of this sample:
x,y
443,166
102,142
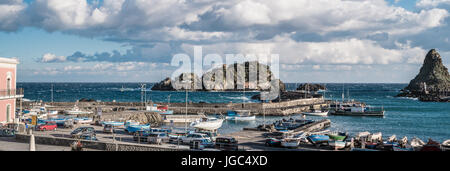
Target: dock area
x,y
282,108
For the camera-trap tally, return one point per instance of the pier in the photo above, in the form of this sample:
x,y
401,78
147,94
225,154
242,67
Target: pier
x,y
283,108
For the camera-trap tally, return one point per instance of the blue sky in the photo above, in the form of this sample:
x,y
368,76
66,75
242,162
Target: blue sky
x,y
134,41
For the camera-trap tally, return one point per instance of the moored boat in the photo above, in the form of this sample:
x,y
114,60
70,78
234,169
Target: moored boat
x,y
133,128
335,144
240,115
208,124
76,111
318,139
316,113
340,136
82,120
431,146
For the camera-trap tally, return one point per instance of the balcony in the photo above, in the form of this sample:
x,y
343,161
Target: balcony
x,y
11,93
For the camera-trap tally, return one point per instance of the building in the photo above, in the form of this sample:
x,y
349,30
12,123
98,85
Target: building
x,y
8,92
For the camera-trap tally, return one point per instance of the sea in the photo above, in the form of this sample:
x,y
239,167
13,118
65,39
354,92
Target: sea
x,y
404,116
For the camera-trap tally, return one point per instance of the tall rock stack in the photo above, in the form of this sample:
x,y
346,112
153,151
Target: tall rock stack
x,y
433,81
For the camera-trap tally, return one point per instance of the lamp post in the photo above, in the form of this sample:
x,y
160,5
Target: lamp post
x,y
186,82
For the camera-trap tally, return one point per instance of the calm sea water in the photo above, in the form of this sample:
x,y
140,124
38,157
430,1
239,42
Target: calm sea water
x,y
404,117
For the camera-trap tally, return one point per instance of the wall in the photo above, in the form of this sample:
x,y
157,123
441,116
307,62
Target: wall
x,y
106,146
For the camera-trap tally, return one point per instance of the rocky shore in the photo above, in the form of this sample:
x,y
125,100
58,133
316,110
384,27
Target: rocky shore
x,y
432,83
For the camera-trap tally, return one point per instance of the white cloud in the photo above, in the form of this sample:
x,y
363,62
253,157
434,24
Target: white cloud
x,y
49,58
431,3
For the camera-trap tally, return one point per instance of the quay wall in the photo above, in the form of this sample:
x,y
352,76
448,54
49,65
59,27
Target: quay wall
x,y
272,108
105,146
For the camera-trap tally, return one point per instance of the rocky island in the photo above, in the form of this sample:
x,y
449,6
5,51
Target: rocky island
x,y
208,80
432,83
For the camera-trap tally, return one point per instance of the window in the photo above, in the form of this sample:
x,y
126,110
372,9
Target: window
x,y
8,112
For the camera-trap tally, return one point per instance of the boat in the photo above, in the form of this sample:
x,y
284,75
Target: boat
x,y
82,120
316,113
335,144
162,110
318,139
446,145
340,136
431,146
133,128
240,115
208,124
76,111
392,138
398,148
376,137
362,135
290,142
113,123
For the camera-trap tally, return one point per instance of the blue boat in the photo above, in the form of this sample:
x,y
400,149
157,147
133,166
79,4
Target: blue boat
x,y
133,128
113,123
167,112
318,139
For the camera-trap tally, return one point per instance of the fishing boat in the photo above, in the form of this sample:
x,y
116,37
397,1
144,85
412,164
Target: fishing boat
x,y
335,144
431,146
133,128
208,124
290,142
446,145
398,148
340,136
362,135
376,137
162,110
76,111
358,111
240,115
318,139
316,113
113,123
82,120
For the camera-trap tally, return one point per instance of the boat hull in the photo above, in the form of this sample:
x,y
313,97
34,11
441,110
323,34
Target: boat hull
x,y
209,125
241,118
316,113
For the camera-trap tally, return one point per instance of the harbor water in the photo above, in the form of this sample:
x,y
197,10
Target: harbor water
x,y
403,117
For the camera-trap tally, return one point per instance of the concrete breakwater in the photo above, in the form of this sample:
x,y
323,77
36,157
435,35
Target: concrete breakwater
x,y
105,146
270,109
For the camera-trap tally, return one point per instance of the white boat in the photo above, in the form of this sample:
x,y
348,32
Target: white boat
x,y
446,145
376,137
76,111
240,115
290,142
316,113
208,124
416,142
337,144
82,120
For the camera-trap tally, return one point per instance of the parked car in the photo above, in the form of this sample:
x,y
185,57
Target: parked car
x,y
176,136
68,123
201,143
158,138
211,135
47,126
193,136
226,143
7,132
142,135
108,128
91,137
83,131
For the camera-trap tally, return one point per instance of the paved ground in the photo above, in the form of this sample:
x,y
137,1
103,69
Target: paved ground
x,y
10,144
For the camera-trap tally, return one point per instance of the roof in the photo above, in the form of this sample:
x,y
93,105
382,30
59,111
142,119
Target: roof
x,y
9,60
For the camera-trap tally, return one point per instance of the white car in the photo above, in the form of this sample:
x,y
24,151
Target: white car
x,y
193,136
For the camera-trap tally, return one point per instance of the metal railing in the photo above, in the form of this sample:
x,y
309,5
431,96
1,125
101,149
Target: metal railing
x,y
11,93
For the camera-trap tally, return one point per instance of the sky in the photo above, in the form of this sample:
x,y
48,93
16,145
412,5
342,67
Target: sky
x,y
326,41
